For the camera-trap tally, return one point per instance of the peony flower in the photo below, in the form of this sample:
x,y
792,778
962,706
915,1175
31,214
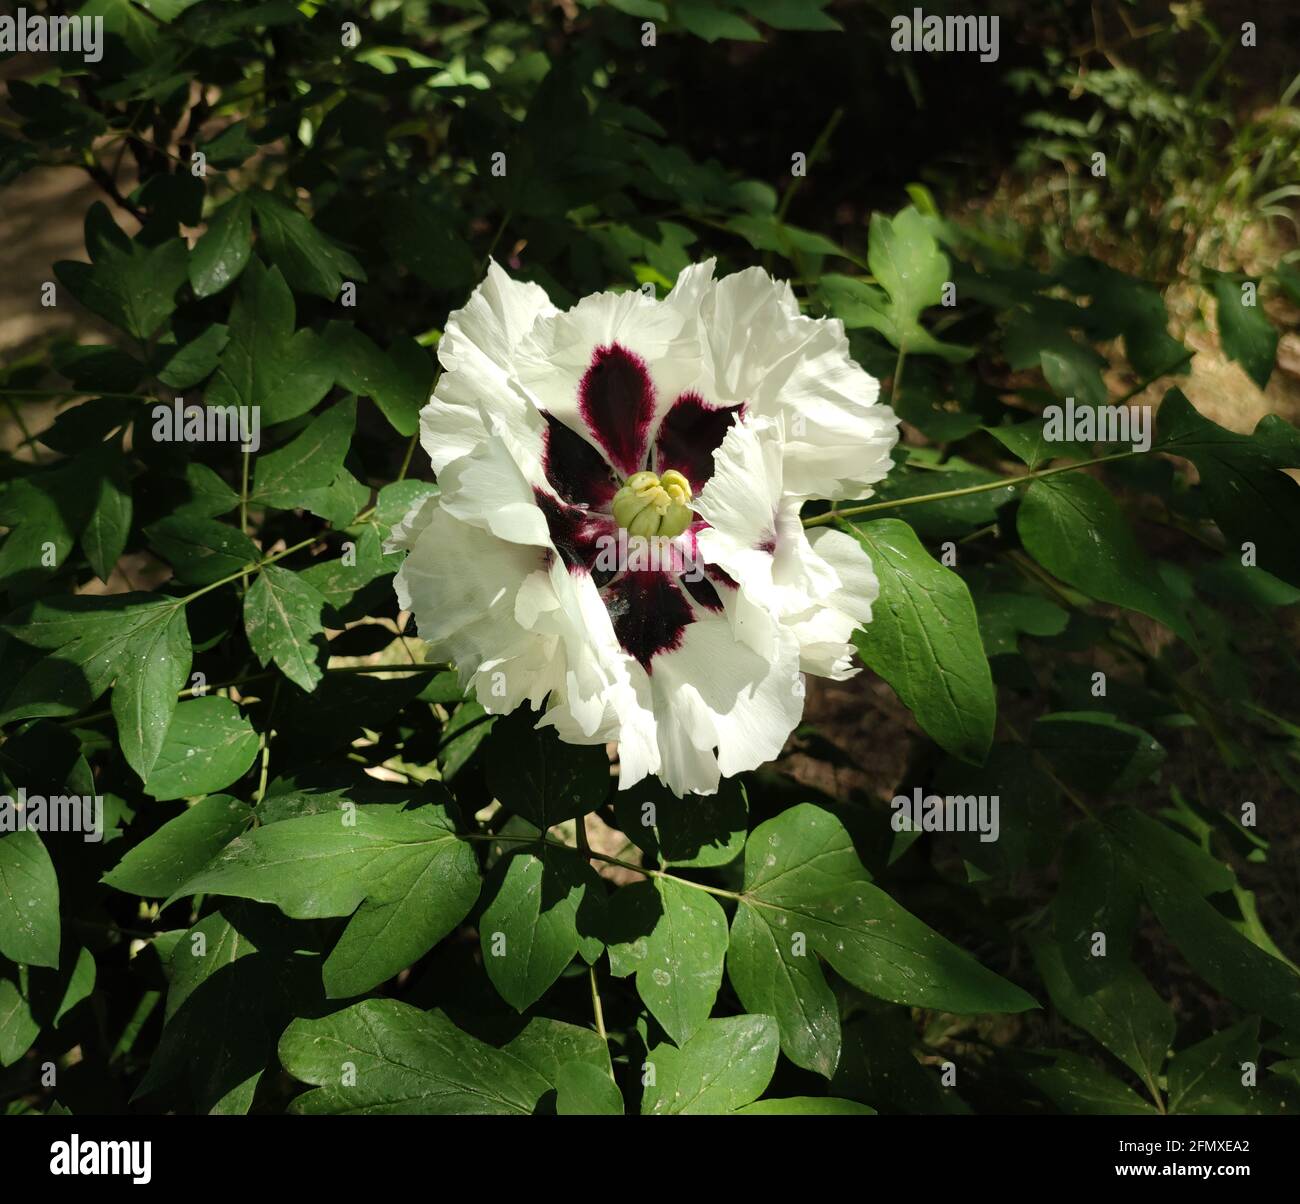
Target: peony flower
x,y
617,538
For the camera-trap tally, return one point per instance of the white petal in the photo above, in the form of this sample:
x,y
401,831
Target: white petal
x,y
551,362
711,694
758,349
477,352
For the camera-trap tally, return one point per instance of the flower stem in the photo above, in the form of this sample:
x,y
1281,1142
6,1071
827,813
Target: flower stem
x,y
1002,483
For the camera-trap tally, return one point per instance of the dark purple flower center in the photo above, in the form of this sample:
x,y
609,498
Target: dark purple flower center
x,y
651,607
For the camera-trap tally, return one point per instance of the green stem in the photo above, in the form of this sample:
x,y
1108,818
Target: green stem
x,y
406,459
1004,483
496,238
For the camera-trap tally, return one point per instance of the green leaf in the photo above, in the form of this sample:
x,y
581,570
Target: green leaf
x,y
712,24
406,875
197,360
805,894
548,1046
222,252
398,381
1027,441
202,550
1207,1078
105,534
18,1027
33,999
1078,1087
465,731
1098,893
924,640
1025,830
1075,529
585,1090
339,581
340,501
906,261
696,832
1125,305
1095,751
265,363
792,14
310,261
1174,880
546,904
130,285
407,1062
861,305
179,849
208,494
155,667
806,1105
1246,492
1125,1014
1003,618
674,937
209,745
1038,339
725,1066
90,636
29,901
282,618
235,979
311,461
398,498
1247,335
539,777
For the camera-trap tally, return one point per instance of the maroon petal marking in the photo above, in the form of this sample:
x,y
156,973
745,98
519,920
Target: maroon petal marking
x,y
576,533
649,612
575,469
721,576
617,401
690,433
702,591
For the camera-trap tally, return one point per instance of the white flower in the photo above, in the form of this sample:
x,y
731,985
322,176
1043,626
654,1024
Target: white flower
x,y
563,440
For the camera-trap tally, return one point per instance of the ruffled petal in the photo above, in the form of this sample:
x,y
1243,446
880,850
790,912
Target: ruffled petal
x,y
477,353
757,349
720,708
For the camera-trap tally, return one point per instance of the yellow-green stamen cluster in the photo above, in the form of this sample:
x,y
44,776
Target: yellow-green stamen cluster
x,y
649,504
